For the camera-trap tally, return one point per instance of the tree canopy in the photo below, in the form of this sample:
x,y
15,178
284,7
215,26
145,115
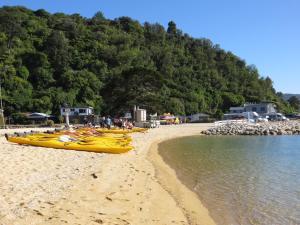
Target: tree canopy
x,y
47,60
294,102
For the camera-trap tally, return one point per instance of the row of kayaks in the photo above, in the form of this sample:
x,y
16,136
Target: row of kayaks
x,y
83,139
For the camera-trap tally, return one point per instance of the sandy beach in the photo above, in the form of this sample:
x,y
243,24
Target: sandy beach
x,y
47,186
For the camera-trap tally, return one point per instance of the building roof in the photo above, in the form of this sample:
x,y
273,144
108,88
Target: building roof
x,y
37,115
78,107
236,107
261,103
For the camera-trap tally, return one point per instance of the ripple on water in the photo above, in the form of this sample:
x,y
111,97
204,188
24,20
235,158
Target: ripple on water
x,y
241,180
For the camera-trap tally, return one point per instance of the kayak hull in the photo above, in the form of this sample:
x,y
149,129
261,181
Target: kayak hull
x,y
78,146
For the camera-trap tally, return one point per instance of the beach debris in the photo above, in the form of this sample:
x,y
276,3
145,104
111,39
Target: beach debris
x,y
50,203
98,221
94,175
38,212
108,198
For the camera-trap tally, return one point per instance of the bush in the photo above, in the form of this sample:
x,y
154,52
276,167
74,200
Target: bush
x,y
19,118
1,121
75,121
219,114
61,119
49,123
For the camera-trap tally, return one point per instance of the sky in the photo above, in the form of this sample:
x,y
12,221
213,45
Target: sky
x,y
265,33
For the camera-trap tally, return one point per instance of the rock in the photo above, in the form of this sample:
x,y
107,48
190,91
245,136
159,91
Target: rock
x,y
271,128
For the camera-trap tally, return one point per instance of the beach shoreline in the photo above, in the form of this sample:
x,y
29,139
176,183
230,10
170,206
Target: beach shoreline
x,y
186,199
69,187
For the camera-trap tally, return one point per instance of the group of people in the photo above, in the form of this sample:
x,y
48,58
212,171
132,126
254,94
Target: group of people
x,y
107,122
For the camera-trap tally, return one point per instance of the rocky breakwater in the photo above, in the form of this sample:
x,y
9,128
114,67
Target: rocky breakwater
x,y
267,128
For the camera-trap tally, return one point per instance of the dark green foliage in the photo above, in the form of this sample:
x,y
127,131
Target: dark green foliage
x,y
219,114
49,123
294,102
19,118
47,60
229,99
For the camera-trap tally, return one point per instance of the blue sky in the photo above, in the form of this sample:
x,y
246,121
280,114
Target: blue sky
x,y
265,33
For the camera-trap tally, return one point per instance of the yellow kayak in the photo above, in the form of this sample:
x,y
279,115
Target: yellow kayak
x,y
105,147
81,139
121,131
104,137
111,131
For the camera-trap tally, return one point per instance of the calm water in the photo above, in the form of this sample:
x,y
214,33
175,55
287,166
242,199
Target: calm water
x,y
241,180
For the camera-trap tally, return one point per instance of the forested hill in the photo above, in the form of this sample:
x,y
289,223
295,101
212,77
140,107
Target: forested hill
x,y
51,59
288,96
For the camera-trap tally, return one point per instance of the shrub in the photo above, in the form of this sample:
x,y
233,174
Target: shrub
x,y
219,114
61,119
49,123
19,118
75,121
1,121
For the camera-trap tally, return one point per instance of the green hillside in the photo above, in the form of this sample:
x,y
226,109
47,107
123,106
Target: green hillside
x,y
288,96
51,59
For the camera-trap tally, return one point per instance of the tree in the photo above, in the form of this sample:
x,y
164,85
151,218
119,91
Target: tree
x,y
56,47
294,102
230,100
172,29
10,23
175,106
111,65
98,16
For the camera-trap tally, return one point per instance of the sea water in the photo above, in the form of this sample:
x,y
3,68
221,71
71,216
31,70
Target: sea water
x,y
241,180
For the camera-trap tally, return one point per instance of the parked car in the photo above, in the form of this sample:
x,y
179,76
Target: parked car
x,y
293,116
262,119
277,117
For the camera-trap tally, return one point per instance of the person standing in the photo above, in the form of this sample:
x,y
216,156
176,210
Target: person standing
x,y
124,122
102,121
108,122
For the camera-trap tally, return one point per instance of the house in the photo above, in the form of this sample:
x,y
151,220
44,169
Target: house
x,y
78,114
37,117
198,117
77,111
237,109
240,116
262,108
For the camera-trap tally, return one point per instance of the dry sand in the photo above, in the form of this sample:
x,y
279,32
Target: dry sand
x,y
47,186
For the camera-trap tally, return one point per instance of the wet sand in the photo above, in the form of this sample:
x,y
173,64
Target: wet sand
x,y
47,186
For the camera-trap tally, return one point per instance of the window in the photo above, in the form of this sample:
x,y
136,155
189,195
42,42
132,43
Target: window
x,y
253,109
72,110
63,110
262,109
82,110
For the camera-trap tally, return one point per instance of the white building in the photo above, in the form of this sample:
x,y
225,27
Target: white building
x,y
141,115
77,111
237,109
262,108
